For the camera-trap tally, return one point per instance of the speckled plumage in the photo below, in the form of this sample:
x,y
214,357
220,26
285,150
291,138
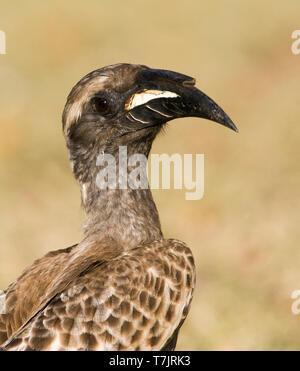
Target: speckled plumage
x,y
123,287
135,300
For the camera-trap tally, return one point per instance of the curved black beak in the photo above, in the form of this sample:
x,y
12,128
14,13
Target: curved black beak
x,y
167,95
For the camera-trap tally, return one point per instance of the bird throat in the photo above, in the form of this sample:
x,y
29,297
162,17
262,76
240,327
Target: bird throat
x,y
117,198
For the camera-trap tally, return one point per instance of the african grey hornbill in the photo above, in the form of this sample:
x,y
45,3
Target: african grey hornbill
x,y
123,287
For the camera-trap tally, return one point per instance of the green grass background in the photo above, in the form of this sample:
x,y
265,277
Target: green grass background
x,y
245,232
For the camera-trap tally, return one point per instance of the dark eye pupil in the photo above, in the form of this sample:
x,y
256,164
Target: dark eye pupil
x,y
100,105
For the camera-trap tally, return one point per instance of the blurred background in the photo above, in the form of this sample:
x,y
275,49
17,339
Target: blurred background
x,y
245,232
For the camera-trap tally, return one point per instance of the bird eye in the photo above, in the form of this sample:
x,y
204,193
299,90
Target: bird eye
x,y
100,104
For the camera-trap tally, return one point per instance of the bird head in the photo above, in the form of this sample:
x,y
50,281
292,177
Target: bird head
x,y
126,104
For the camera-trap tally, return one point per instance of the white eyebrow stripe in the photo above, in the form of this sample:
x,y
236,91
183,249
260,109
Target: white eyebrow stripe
x,y
157,111
145,96
85,89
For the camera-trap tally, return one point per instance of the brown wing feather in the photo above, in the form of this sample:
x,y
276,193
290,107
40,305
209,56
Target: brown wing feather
x,y
46,277
135,301
24,296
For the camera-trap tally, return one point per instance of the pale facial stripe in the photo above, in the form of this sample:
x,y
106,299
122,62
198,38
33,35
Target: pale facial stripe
x,y
84,94
145,96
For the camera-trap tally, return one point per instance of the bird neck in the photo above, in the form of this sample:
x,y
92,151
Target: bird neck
x,y
128,216
117,198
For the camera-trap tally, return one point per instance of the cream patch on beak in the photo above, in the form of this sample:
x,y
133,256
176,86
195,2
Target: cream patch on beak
x,y
145,96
